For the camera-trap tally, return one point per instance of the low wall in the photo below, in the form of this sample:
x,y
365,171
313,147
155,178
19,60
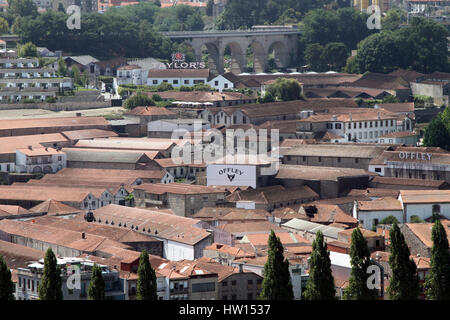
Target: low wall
x,y
64,106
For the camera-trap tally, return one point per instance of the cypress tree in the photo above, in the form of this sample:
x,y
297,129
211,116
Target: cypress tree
x,y
360,261
277,280
404,284
6,284
50,284
97,284
146,283
320,285
437,285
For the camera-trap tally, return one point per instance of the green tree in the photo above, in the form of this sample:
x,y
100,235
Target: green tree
x,y
50,286
268,97
415,219
360,260
437,134
404,283
4,26
61,7
285,89
314,57
389,220
335,54
437,284
76,75
320,285
146,283
97,284
393,19
164,86
27,50
62,68
277,280
209,8
6,285
138,100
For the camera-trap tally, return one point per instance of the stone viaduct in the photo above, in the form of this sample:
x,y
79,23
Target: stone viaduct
x,y
281,41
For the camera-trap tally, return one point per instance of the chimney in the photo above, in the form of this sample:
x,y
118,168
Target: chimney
x,y
241,268
83,235
378,115
350,116
30,147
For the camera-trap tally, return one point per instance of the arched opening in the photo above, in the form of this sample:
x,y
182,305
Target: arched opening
x,y
37,169
235,59
210,54
278,56
258,57
48,169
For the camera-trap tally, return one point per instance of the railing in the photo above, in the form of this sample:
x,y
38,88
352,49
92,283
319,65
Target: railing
x,y
188,34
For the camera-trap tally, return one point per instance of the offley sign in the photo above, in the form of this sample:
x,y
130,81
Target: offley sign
x,y
415,155
231,175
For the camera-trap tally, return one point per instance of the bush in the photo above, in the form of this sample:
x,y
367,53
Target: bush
x,y
186,88
138,100
416,219
28,101
389,220
164,86
50,99
156,98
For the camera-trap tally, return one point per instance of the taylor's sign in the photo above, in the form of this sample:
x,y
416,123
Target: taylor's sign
x,y
179,62
231,175
415,155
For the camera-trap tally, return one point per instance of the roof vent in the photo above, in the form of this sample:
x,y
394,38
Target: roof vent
x,y
149,230
125,225
30,147
120,224
137,228
112,222
106,222
143,229
83,235
99,220
156,231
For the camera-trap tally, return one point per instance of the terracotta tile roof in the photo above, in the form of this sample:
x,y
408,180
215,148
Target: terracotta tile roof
x,y
115,233
65,238
339,244
332,150
250,227
398,107
216,213
370,114
107,175
379,81
178,188
381,204
399,134
53,122
43,193
232,251
342,92
178,73
203,96
239,215
366,233
317,173
54,208
160,224
423,232
425,196
34,152
150,111
409,182
407,75
273,194
129,67
88,134
146,144
374,192
286,238
10,144
17,256
331,213
10,210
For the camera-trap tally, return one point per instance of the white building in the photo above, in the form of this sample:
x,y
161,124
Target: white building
x,y
131,74
371,213
177,77
400,137
165,127
419,203
34,160
220,82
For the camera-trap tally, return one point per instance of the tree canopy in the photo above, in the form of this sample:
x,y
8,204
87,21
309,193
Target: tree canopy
x,y
50,284
437,133
146,283
7,287
277,280
285,89
320,284
97,284
138,100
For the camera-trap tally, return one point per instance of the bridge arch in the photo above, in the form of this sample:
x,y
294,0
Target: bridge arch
x,y
259,56
238,62
280,53
215,58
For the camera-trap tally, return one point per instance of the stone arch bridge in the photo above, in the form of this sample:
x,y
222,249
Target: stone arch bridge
x,y
281,41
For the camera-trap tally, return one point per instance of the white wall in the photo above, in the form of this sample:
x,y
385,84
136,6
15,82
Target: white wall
x,y
424,211
368,216
179,251
221,83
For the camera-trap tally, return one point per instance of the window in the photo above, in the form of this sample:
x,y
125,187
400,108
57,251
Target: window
x,y
329,126
155,81
354,125
356,160
436,208
376,124
371,124
224,284
203,287
304,158
216,83
319,159
233,283
377,243
244,120
377,169
225,85
349,125
337,126
339,159
186,81
375,222
365,124
175,81
360,125
250,296
233,297
59,158
165,81
250,281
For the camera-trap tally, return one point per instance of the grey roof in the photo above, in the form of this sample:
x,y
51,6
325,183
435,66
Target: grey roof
x,y
83,60
334,150
183,121
90,155
148,63
312,227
